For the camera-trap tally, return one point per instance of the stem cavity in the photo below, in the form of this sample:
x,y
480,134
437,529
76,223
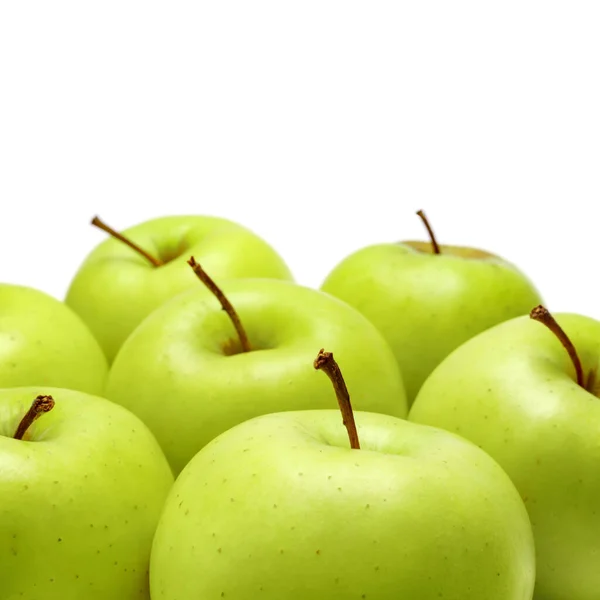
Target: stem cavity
x,y
326,363
41,405
155,262
225,304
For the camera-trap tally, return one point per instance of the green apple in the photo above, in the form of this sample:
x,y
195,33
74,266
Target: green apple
x,y
511,391
427,304
183,371
117,287
81,493
43,342
281,507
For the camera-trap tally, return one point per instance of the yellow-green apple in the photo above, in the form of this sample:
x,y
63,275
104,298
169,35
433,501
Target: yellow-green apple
x,y
515,392
185,373
82,489
130,274
427,299
282,506
43,342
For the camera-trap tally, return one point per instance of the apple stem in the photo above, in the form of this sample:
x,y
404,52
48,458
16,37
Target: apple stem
x,y
434,244
41,405
326,363
543,315
225,304
119,236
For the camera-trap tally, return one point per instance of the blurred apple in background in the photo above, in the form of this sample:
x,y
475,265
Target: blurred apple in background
x,y
117,285
427,299
43,342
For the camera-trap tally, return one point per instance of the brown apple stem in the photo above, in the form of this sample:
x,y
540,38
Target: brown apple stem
x,y
326,363
41,405
225,304
434,244
543,315
119,236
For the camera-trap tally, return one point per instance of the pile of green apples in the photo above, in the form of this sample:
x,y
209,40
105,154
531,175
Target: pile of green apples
x,y
191,424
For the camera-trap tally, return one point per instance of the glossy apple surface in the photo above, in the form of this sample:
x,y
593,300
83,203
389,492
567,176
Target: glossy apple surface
x,y
81,497
281,507
511,390
427,304
183,373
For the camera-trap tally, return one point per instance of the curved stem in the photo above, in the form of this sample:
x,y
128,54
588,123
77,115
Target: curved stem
x,y
543,315
119,236
225,304
326,363
434,244
41,405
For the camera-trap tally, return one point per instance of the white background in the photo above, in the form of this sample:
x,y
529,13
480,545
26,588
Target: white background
x,y
323,126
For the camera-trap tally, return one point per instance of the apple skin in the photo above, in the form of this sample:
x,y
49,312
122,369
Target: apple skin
x,y
281,507
43,342
115,288
512,391
172,372
80,499
426,305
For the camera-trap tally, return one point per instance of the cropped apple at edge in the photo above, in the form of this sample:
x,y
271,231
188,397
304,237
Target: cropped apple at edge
x,y
44,342
513,391
116,288
81,493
